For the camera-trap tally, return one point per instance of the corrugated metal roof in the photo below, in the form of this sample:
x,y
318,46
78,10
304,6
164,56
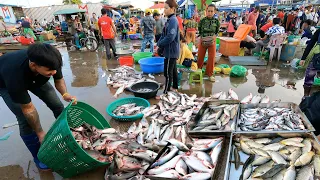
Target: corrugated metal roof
x,y
9,5
69,11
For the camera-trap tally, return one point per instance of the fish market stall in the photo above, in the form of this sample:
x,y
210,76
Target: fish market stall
x,y
274,156
267,117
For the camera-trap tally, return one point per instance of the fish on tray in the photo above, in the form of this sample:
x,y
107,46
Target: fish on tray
x,y
197,162
277,159
216,117
276,119
128,110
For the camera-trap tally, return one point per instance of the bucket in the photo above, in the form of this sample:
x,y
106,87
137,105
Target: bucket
x,y
140,55
126,61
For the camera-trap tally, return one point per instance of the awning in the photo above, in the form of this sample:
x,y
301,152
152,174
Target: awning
x,y
157,6
69,11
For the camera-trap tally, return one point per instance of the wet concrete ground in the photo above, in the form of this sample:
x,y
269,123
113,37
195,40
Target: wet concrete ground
x,y
83,75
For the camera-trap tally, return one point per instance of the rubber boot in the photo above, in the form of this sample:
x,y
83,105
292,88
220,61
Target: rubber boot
x,y
77,44
33,144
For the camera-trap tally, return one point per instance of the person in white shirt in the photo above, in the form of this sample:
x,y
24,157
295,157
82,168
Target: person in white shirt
x,y
44,24
274,30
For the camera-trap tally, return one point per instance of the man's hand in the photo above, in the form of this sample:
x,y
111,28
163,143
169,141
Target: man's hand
x,y
67,97
32,116
301,63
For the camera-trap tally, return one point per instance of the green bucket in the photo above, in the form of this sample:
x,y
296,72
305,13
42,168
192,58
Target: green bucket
x,y
140,55
217,40
60,151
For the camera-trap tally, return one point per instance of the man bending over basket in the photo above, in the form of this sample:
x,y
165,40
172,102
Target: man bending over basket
x,y
27,71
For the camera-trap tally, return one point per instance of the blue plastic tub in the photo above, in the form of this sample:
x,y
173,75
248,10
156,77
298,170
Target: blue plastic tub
x,y
152,65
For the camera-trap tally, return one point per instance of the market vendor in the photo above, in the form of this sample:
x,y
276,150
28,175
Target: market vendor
x,y
208,28
29,70
27,29
186,57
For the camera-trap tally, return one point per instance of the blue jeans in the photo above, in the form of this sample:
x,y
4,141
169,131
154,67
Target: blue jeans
x,y
147,38
46,93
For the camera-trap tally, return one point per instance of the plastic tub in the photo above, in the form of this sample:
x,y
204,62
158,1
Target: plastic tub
x,y
140,55
126,61
141,85
134,36
152,65
128,100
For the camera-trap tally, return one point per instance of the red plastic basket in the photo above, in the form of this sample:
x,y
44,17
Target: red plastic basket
x,y
126,61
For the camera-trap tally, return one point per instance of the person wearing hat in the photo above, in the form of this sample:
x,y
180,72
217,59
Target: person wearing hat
x,y
148,25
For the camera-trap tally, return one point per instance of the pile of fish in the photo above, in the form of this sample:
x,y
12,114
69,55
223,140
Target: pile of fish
x,y
144,90
175,107
124,77
99,144
256,99
215,117
230,95
277,159
181,162
128,110
145,140
276,119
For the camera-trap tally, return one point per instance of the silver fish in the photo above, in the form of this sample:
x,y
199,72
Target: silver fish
x,y
216,95
306,172
166,158
256,99
181,167
259,160
178,144
173,174
195,164
233,95
223,96
196,176
214,154
246,99
290,173
168,165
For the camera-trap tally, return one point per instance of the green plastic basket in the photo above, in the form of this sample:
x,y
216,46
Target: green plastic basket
x,y
60,151
140,55
119,102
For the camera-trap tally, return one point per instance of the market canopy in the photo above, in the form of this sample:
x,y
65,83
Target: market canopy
x,y
69,11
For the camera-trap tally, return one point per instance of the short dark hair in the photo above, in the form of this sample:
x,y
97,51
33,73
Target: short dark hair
x,y
276,20
172,3
45,55
103,11
212,5
308,21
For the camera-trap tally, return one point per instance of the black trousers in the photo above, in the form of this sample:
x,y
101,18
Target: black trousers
x,y
249,45
124,36
96,34
171,74
110,43
157,37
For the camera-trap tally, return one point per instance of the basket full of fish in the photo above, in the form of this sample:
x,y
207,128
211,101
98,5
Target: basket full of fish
x,y
127,109
217,116
197,159
282,117
280,156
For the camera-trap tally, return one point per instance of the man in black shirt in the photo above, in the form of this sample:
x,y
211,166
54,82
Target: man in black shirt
x,y
29,70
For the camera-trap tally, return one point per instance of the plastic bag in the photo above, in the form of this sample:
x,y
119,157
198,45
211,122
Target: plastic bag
x,y
316,81
223,66
238,71
226,71
217,70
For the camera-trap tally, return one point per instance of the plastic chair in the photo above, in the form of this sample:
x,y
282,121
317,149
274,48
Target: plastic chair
x,y
276,42
197,73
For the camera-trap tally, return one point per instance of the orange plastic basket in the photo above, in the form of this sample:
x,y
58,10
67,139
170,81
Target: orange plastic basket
x,y
126,61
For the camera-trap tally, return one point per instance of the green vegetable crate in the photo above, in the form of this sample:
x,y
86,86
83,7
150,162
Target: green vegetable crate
x,y
60,151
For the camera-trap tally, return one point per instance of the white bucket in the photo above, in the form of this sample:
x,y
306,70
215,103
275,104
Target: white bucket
x,y
217,58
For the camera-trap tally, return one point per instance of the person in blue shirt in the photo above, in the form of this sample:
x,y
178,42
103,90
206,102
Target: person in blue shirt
x,y
169,43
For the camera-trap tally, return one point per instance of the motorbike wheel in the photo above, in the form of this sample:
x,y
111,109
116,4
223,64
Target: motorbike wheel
x,y
91,44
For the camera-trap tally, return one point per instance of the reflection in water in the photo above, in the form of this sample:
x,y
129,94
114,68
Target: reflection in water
x,y
84,67
264,78
237,81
